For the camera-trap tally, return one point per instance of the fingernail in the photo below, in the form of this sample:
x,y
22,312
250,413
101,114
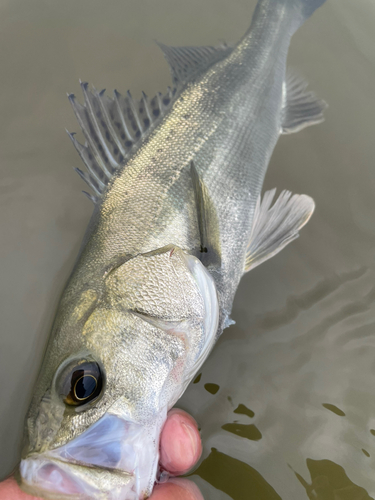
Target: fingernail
x,y
192,433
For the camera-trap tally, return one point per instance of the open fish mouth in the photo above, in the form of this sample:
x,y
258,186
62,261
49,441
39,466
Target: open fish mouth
x,y
114,458
47,477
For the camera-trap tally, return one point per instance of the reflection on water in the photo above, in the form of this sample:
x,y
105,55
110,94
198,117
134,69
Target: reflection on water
x,y
242,410
235,478
212,388
239,481
334,408
286,401
249,431
330,482
295,304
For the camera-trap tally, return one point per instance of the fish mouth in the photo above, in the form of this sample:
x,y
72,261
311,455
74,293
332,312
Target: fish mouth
x,y
51,478
113,459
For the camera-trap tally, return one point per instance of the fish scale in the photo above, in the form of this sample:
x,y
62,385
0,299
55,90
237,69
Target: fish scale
x,y
177,221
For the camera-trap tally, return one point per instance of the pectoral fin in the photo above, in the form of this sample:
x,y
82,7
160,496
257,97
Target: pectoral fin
x,y
274,227
207,221
301,108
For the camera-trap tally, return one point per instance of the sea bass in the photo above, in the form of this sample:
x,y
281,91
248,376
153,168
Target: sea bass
x,y
177,221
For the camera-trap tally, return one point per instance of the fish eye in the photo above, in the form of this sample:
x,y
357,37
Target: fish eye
x,y
80,382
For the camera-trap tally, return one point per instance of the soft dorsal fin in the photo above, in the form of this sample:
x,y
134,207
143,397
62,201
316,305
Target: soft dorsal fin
x,y
113,129
301,108
186,62
274,227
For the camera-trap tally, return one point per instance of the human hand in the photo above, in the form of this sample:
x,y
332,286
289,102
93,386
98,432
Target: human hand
x,y
180,449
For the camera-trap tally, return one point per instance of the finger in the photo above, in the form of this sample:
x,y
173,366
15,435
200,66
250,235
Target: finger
x,y
176,489
180,443
9,490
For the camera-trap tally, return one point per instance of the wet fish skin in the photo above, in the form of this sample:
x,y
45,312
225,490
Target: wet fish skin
x,y
137,301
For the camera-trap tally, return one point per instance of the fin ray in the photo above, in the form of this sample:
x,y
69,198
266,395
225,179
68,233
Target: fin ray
x,y
92,166
301,108
199,201
186,62
89,181
207,221
113,128
274,227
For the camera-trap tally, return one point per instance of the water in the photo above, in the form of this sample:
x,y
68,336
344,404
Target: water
x,y
286,400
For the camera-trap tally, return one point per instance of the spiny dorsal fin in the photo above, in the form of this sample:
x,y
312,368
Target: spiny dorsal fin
x,y
113,129
186,62
274,227
301,108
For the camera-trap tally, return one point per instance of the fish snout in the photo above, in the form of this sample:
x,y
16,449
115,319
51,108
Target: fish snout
x,y
42,424
114,455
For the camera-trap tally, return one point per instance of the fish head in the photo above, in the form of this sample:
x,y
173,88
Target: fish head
x,y
120,355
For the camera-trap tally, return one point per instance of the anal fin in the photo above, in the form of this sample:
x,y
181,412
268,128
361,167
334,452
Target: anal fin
x,y
274,227
301,108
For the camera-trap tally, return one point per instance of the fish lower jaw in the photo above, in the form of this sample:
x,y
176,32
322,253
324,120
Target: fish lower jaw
x,y
114,459
54,479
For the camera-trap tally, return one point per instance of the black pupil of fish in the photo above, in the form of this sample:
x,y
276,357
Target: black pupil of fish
x,y
85,387
83,384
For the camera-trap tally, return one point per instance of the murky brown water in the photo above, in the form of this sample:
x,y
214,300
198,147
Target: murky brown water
x,y
286,400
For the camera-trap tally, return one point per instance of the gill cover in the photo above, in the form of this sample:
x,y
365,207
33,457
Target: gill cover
x,y
172,291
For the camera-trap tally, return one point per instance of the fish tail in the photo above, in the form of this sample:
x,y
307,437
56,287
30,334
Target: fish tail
x,y
293,12
300,10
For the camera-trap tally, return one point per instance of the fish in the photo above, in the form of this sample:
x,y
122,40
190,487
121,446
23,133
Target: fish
x,y
178,219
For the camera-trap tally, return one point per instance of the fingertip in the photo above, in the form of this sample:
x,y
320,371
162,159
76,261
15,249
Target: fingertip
x,y
9,490
177,489
180,443
189,486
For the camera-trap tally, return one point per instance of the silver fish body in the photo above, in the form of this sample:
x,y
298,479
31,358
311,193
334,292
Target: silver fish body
x,y
163,254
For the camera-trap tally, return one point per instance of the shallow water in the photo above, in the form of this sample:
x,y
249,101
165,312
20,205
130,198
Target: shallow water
x,y
286,400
